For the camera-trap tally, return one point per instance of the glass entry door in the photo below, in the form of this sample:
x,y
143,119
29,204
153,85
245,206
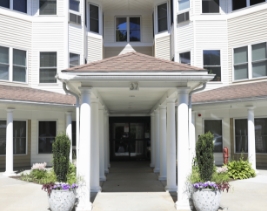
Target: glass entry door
x,y
129,140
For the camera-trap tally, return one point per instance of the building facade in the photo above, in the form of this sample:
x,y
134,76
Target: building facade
x,y
40,38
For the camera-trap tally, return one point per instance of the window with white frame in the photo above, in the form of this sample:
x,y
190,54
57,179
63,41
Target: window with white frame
x,y
128,29
162,17
215,127
47,7
19,137
94,18
183,5
210,6
74,59
185,58
47,135
241,135
48,67
74,5
17,67
239,4
18,5
212,63
253,65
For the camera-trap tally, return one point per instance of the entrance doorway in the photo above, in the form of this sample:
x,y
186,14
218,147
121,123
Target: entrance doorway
x,y
130,138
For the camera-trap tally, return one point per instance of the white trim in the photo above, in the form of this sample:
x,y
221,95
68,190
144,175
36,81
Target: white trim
x,y
88,3
35,103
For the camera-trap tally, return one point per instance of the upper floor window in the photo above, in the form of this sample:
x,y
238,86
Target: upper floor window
x,y
74,59
162,18
47,7
18,5
212,63
17,67
183,4
94,18
128,29
185,58
48,67
257,59
239,4
74,5
210,6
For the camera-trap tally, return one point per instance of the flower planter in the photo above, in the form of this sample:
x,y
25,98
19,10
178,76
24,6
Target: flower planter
x,y
61,200
206,199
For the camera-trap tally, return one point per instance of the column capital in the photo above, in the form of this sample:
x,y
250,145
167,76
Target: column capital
x,y
183,90
85,89
10,110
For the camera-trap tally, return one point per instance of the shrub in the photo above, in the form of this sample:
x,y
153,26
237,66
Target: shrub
x,y
240,169
71,176
39,166
204,156
61,151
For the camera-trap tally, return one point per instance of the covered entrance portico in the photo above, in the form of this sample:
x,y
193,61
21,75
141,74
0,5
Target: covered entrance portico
x,y
134,84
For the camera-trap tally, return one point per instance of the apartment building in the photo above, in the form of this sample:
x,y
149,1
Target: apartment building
x,y
124,69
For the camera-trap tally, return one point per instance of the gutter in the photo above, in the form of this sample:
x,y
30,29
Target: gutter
x,y
77,122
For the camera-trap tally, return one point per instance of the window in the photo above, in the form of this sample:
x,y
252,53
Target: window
x,y
47,7
239,4
19,65
212,63
210,6
162,18
20,5
241,135
183,4
215,127
5,3
19,137
125,33
48,67
185,58
74,5
259,60
241,63
74,59
252,2
47,134
4,63
94,18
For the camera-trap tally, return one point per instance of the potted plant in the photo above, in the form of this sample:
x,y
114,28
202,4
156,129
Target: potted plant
x,y
207,180
62,194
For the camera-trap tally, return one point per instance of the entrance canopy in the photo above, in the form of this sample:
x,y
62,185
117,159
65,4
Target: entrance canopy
x,y
133,83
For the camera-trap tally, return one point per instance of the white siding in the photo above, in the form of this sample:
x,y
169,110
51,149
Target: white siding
x,y
94,49
75,39
162,47
114,51
245,30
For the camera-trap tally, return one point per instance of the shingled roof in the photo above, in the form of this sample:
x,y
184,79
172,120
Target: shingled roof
x,y
232,92
133,62
25,94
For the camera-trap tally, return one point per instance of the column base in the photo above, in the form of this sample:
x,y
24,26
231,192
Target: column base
x,y
184,205
103,178
9,174
161,178
152,165
106,171
96,189
171,188
156,170
87,207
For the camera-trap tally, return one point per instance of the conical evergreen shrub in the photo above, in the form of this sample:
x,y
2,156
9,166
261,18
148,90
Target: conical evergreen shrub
x,y
61,151
204,156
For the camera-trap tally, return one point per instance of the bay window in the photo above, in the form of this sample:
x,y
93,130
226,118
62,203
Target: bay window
x,y
47,7
162,18
48,67
47,135
210,6
212,63
17,5
239,4
94,18
4,63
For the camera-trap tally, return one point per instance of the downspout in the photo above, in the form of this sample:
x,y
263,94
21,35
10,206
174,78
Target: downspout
x,y
192,139
77,123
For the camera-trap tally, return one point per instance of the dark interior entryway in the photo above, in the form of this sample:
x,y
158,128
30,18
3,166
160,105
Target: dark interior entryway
x,y
129,138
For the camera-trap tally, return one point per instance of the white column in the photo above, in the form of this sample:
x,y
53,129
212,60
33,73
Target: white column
x,y
152,140
9,143
108,147
101,144
192,136
182,149
157,146
171,146
162,135
251,138
85,151
95,185
106,142
69,130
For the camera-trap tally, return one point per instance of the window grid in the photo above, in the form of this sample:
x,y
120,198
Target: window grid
x,y
210,63
48,72
126,36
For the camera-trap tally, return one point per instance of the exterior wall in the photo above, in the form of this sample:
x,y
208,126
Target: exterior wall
x,y
114,51
163,47
75,39
94,48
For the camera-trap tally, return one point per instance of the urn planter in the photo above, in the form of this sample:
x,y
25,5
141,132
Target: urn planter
x,y
61,200
206,199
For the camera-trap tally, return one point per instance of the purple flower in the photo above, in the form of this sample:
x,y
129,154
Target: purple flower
x,y
205,185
